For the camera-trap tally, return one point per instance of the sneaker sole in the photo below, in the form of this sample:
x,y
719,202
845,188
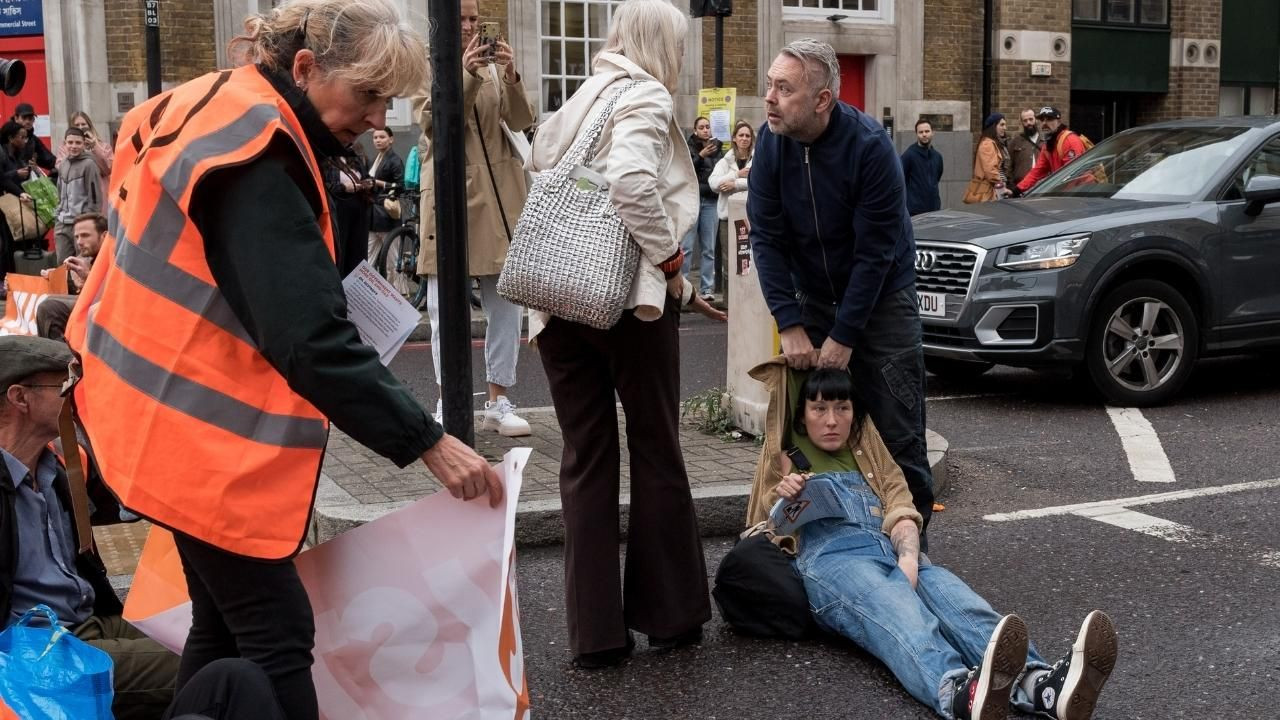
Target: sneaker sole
x,y
1093,657
496,425
1004,660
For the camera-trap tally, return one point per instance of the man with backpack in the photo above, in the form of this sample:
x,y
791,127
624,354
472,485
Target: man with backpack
x,y
1061,147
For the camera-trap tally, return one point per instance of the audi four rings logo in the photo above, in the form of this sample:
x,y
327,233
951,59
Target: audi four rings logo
x,y
926,259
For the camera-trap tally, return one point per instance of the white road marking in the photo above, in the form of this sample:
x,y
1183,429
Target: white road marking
x,y
1141,444
1122,503
1116,514
940,398
1141,522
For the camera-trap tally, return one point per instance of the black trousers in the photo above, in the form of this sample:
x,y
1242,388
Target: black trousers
x,y
664,592
227,689
250,609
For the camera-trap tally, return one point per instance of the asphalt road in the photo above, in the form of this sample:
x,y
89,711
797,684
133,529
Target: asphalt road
x,y
1192,582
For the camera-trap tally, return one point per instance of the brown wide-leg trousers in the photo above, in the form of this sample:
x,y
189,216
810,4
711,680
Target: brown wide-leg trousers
x,y
665,588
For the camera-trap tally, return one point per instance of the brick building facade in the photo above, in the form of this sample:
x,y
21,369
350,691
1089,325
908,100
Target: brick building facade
x,y
1107,65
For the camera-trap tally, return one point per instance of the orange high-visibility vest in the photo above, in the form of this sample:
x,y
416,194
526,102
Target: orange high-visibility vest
x,y
191,426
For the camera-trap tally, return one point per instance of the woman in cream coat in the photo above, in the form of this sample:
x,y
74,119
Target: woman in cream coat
x,y
730,175
643,156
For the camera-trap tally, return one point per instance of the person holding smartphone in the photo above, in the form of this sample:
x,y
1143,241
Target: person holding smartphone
x,y
705,151
494,103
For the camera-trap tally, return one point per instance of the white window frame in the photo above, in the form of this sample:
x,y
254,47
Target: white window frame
x,y
882,14
557,43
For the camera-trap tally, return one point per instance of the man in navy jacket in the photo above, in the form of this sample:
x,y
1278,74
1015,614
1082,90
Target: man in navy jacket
x,y
922,171
834,249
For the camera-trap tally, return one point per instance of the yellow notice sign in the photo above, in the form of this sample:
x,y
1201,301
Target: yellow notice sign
x,y
719,106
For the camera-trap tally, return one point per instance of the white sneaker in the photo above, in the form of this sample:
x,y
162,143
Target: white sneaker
x,y
501,415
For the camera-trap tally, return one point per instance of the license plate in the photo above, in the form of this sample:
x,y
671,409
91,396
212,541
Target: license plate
x,y
932,304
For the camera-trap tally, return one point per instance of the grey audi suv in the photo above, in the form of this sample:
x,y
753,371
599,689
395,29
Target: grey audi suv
x,y
1159,246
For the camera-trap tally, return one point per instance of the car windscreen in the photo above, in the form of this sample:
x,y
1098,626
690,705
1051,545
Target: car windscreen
x,y
1155,164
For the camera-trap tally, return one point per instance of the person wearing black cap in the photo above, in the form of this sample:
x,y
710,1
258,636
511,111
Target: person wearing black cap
x,y
40,562
991,163
1061,146
25,115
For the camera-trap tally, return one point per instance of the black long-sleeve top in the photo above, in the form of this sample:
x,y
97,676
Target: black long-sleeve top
x,y
268,257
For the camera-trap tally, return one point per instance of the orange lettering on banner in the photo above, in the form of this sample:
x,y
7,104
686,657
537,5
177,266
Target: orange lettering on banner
x,y
26,292
509,650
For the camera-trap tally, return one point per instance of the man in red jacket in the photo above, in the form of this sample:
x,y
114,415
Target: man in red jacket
x,y
1061,147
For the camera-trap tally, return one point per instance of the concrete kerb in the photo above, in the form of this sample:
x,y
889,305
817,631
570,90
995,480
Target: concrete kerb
x,y
720,509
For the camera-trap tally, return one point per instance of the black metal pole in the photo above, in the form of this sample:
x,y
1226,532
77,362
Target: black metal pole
x,y
451,218
988,63
151,13
719,50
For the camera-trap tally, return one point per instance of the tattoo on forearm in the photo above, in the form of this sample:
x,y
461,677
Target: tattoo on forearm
x,y
906,540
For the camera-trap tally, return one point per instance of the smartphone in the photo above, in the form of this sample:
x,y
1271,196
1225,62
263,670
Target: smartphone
x,y
489,37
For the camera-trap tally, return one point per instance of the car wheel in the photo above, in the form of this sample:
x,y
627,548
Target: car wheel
x,y
956,369
1143,342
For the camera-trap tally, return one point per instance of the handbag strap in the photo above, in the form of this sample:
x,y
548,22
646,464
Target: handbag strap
x,y
583,149
487,163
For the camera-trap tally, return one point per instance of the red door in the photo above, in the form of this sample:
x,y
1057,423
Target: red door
x,y
853,80
30,50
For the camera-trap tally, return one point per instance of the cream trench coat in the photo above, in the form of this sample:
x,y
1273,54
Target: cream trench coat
x,y
496,101
644,157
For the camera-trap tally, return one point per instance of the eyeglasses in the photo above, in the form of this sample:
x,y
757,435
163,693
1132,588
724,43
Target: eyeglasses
x,y
34,385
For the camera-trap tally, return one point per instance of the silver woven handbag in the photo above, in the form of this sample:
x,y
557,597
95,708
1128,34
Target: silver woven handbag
x,y
571,255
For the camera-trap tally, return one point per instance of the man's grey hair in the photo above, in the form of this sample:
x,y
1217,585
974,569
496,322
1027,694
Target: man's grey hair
x,y
820,63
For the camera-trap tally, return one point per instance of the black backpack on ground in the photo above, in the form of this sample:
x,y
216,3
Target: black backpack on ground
x,y
759,592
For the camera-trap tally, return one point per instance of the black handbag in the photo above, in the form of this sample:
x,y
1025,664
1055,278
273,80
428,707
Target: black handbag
x,y
760,593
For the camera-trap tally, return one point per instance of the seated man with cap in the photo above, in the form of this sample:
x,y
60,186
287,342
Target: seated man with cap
x,y
1061,147
40,562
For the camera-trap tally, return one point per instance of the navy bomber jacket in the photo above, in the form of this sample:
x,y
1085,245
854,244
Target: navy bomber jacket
x,y
828,220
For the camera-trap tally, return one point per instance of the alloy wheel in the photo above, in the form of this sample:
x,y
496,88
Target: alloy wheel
x,y
1143,344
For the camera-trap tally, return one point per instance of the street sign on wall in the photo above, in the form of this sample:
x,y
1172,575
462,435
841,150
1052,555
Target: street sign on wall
x,y
21,17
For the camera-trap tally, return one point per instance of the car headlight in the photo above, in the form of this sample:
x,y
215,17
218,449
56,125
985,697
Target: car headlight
x,y
1046,254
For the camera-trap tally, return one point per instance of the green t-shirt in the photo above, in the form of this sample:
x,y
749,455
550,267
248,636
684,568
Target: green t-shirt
x,y
822,461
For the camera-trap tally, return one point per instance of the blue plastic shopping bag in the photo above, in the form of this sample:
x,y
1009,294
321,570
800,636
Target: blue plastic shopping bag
x,y
46,673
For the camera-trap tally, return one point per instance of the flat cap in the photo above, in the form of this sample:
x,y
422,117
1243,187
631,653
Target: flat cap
x,y
23,110
22,356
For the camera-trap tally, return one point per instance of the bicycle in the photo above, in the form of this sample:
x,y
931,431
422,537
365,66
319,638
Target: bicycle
x,y
399,250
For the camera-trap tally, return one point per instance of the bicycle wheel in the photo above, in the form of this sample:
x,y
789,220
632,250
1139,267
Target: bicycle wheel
x,y
398,259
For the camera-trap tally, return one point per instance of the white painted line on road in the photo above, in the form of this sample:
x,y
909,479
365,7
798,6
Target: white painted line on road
x,y
1122,503
1141,444
1175,532
941,398
1141,522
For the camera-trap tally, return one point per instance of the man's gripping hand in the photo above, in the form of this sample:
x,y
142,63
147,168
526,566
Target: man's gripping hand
x,y
796,346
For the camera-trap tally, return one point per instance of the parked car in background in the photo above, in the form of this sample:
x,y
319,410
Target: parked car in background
x,y
1157,247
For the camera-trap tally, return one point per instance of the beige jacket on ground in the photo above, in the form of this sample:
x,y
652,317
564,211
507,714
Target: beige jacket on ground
x,y
643,156
873,458
496,102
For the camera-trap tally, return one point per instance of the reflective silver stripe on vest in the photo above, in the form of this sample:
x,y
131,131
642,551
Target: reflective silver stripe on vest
x,y
203,403
162,230
172,282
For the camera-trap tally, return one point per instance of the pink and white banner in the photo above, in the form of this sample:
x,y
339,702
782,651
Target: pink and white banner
x,y
416,612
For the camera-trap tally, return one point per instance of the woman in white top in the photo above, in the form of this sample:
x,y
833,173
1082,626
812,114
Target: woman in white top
x,y
730,175
643,158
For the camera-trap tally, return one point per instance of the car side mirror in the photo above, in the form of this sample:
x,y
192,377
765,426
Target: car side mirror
x,y
1261,191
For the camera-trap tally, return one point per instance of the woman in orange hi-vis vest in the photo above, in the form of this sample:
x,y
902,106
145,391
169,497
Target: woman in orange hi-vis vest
x,y
213,331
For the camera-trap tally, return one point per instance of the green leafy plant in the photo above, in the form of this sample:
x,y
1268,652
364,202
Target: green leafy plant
x,y
709,411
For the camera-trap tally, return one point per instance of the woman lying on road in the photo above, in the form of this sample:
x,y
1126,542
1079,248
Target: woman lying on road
x,y
867,580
